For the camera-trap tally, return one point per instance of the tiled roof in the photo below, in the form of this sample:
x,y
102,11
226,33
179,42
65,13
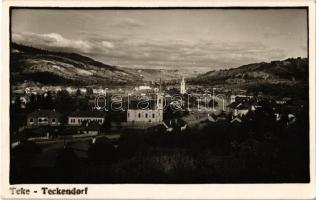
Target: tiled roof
x,y
233,105
239,106
45,113
87,114
243,106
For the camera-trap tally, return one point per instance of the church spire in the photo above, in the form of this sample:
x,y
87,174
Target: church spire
x,y
182,87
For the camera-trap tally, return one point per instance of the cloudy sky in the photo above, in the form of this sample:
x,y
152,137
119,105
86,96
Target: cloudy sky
x,y
174,38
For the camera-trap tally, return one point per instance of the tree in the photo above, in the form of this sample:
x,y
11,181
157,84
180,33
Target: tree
x,y
63,94
89,91
78,92
17,105
31,106
102,152
48,101
67,165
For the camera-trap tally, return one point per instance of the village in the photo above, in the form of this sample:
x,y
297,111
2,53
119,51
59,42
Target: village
x,y
96,112
143,95
106,125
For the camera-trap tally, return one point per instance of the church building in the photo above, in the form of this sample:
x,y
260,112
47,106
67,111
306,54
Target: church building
x,y
152,114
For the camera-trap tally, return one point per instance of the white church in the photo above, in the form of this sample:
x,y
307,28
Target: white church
x,y
154,114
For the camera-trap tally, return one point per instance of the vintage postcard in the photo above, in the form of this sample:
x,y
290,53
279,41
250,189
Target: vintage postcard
x,y
158,100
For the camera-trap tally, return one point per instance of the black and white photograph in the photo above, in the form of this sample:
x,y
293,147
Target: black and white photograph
x,y
159,95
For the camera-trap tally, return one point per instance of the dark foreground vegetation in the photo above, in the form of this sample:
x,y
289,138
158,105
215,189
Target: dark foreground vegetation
x,y
258,150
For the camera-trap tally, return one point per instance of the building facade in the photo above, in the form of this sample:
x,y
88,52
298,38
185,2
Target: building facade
x,y
154,114
79,117
43,118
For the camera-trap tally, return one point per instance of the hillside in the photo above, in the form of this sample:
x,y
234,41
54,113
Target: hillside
x,y
47,67
286,77
156,74
37,66
285,70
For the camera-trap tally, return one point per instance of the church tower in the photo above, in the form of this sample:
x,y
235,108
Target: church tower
x,y
159,103
182,88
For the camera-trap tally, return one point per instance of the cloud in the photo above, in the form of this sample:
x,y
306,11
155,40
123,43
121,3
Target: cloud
x,y
186,53
55,41
128,23
153,53
107,44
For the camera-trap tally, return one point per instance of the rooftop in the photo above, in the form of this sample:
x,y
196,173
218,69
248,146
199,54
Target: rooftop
x,y
44,113
87,114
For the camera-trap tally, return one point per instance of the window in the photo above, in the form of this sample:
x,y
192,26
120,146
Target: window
x,y
39,119
53,120
138,115
146,115
153,115
31,120
159,100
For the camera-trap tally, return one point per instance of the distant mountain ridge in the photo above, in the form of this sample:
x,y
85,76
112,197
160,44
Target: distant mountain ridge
x,y
287,77
61,68
285,70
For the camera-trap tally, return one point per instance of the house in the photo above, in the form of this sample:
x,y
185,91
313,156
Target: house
x,y
91,128
78,117
148,115
240,108
240,98
291,119
43,118
282,101
143,87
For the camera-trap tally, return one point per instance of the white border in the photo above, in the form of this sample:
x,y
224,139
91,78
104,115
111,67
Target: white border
x,y
161,191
